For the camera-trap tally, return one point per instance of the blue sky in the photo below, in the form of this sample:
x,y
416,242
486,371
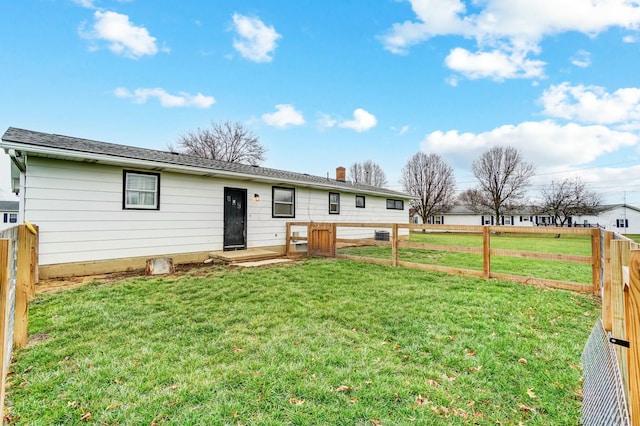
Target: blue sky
x,y
328,83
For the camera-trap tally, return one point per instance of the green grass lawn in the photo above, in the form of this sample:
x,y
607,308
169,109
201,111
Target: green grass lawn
x,y
547,243
553,270
319,342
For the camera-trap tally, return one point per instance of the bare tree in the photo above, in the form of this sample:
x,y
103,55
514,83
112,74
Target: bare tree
x,y
503,178
430,179
226,141
567,198
474,200
367,172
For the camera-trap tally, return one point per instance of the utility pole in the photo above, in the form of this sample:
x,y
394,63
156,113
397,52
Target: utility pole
x,y
624,206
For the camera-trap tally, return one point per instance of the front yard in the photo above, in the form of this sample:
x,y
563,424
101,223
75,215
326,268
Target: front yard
x,y
316,342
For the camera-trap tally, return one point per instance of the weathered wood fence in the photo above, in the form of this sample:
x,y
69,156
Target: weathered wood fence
x,y
18,275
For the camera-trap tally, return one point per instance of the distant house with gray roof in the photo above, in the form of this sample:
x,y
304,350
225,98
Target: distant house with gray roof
x,y
98,202
8,214
621,218
463,215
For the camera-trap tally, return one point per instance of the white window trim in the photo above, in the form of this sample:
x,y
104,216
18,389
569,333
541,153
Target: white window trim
x,y
125,190
336,204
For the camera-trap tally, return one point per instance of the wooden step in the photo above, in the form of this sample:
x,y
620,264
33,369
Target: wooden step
x,y
240,256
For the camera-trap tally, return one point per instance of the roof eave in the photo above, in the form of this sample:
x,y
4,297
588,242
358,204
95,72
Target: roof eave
x,y
42,151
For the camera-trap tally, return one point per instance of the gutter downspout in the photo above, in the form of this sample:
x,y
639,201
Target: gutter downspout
x,y
18,161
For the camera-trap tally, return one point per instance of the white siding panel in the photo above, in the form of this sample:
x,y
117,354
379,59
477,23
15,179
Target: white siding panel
x,y
79,210
78,207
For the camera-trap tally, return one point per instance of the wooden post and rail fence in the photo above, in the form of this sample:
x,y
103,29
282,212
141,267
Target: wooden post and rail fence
x,y
322,240
614,260
18,276
615,263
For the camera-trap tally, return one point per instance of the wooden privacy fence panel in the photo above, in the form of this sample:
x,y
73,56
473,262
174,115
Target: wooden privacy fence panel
x,y
632,332
6,255
621,322
322,239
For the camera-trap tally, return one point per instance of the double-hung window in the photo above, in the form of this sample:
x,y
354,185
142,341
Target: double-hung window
x,y
13,217
141,191
622,223
283,202
360,201
334,203
435,220
395,205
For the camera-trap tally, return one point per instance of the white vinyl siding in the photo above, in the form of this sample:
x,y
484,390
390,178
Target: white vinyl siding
x,y
79,210
78,207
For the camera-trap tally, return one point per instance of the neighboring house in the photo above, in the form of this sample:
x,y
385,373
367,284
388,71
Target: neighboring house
x,y
8,214
620,218
98,202
463,215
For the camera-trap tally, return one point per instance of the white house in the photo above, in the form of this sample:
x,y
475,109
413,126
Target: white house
x,y
8,214
463,215
100,204
621,218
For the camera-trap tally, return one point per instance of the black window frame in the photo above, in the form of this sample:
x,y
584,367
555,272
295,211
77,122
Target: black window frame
x,y
395,204
273,202
622,223
337,194
13,217
126,172
364,203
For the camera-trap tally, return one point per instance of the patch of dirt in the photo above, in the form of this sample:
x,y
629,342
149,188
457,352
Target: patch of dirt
x,y
65,283
35,338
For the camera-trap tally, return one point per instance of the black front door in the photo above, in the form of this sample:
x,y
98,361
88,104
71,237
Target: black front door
x,y
235,218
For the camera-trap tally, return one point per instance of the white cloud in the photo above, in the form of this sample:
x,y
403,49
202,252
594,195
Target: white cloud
x,y
496,65
581,59
285,116
507,26
89,4
592,104
182,99
404,130
326,122
541,143
435,18
630,39
362,121
123,37
256,41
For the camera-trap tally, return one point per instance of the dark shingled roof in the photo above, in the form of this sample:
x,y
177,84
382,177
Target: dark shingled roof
x,y
78,145
8,206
